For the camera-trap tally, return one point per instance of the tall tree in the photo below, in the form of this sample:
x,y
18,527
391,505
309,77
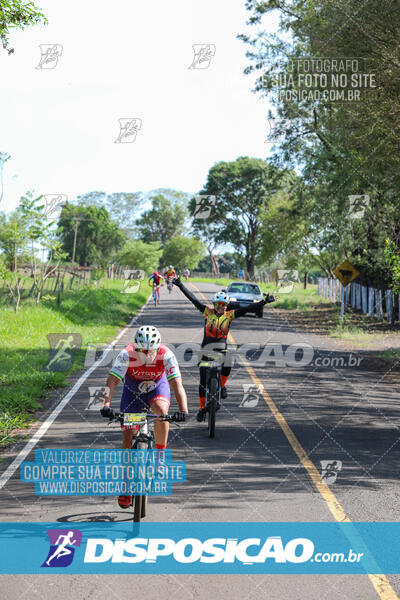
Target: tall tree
x,y
344,148
243,189
183,252
139,255
91,232
163,221
123,207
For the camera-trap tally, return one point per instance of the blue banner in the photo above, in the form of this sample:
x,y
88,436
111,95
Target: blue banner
x,y
218,548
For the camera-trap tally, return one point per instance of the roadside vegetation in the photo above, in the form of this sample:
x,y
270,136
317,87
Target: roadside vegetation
x,y
96,313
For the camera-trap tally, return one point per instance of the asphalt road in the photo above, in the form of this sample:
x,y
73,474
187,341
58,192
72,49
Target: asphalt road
x,y
263,465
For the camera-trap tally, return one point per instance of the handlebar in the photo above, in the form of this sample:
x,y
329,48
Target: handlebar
x,y
120,417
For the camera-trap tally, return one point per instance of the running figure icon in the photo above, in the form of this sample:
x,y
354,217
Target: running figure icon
x,y
62,549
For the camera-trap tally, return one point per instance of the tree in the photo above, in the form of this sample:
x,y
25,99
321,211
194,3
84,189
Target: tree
x,y
20,14
139,255
392,256
183,252
335,142
163,221
243,189
121,206
89,229
13,240
38,230
14,244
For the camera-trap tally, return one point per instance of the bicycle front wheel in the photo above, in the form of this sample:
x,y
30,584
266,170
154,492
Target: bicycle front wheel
x,y
140,502
212,404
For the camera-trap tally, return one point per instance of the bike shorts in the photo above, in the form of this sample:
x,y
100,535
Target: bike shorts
x,y
140,395
226,360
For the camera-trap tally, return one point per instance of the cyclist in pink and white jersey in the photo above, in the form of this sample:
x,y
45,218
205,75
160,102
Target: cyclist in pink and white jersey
x,y
148,369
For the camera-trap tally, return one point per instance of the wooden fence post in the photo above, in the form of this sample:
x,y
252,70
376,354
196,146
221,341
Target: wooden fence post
x,y
389,305
358,296
342,303
371,301
364,290
378,301
398,299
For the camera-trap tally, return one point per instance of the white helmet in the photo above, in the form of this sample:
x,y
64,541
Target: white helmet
x,y
170,267
147,338
221,297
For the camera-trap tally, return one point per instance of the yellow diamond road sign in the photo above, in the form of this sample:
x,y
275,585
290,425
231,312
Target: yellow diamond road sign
x,y
345,272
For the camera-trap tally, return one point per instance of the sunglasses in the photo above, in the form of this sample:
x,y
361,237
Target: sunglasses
x,y
144,351
220,304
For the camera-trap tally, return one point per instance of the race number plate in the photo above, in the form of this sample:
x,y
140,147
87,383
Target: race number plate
x,y
133,419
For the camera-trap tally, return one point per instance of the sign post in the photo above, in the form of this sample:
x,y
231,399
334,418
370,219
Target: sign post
x,y
345,272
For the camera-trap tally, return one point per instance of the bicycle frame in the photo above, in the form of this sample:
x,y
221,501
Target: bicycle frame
x,y
144,439
213,391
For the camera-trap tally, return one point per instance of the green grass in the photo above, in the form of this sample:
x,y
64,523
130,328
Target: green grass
x,y
95,312
224,282
391,355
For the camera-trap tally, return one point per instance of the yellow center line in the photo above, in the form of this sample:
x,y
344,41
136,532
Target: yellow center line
x,y
380,582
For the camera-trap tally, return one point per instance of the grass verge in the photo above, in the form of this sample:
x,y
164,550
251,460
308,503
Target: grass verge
x,y
96,313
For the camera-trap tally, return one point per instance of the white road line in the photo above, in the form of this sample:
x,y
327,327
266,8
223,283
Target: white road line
x,y
9,472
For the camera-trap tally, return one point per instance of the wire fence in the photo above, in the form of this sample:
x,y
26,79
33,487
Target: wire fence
x,y
63,278
368,300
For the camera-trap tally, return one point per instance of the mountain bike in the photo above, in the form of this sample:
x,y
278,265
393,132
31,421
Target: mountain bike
x,y
213,388
169,284
144,440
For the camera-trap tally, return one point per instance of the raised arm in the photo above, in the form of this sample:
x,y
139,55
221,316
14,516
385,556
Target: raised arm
x,y
254,307
199,305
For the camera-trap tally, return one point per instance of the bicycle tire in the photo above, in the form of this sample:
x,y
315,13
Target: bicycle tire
x,y
139,502
212,404
155,298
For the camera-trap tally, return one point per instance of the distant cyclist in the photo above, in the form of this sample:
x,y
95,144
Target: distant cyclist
x,y
156,280
218,319
147,368
186,273
171,274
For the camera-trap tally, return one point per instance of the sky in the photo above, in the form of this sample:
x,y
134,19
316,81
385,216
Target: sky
x,y
127,60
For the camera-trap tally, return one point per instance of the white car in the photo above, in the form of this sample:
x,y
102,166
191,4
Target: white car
x,y
243,293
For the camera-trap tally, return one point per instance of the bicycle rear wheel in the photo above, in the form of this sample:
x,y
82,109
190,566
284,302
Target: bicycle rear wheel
x,y
139,502
155,297
212,404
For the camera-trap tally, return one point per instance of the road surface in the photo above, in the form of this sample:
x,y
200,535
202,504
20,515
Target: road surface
x,y
263,465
